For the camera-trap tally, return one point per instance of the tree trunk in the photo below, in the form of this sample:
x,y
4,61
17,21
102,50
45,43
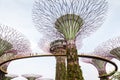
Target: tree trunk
x,y
74,71
60,68
59,47
60,65
102,73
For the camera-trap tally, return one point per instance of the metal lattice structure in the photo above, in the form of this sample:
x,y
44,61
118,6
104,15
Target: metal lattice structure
x,y
109,48
47,12
18,40
44,45
69,20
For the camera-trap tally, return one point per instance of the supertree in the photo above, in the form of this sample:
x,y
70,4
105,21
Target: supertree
x,y
10,76
44,79
12,43
59,47
109,50
56,47
98,64
70,20
31,76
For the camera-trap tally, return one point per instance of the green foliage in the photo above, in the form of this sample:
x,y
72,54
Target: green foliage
x,y
116,76
58,47
60,69
69,25
2,75
73,69
116,52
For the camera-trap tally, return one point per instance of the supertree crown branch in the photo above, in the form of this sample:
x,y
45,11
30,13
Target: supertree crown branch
x,y
14,38
116,52
109,48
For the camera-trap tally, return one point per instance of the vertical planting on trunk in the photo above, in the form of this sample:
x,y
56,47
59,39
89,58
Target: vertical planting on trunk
x,y
73,69
59,47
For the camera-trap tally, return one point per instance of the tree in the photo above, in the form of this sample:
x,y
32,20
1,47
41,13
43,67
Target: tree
x,y
109,50
12,43
59,47
56,47
98,64
70,20
31,76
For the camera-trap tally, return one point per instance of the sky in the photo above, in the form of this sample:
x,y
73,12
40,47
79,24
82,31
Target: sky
x,y
18,14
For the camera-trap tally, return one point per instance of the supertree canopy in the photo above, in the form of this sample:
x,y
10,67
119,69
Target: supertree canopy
x,y
31,76
109,48
10,76
17,40
69,20
12,43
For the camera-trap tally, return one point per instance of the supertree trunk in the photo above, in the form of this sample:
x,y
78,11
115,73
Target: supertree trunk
x,y
73,69
31,78
60,68
102,73
58,47
101,67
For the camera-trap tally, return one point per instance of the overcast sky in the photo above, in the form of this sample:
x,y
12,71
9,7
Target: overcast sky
x,y
18,14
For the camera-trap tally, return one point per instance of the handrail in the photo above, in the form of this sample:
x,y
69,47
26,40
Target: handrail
x,y
84,56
